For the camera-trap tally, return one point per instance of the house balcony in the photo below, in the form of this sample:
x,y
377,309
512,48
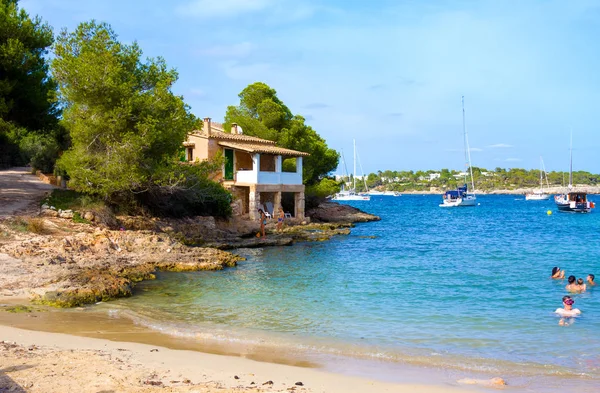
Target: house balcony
x,y
262,177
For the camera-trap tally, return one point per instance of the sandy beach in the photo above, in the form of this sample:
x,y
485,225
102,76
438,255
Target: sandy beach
x,y
35,361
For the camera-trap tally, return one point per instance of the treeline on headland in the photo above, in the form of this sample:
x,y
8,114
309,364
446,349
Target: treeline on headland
x,y
105,118
485,180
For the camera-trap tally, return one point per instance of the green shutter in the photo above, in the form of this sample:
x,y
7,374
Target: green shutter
x,y
228,164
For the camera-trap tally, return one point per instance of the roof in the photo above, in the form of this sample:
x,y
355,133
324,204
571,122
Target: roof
x,y
247,143
262,148
220,135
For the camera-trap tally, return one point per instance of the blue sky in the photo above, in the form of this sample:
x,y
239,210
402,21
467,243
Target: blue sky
x,y
389,74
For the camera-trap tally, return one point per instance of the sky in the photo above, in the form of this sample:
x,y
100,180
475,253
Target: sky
x,y
387,73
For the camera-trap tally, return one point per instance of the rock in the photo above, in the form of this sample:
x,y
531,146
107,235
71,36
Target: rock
x,y
49,213
299,384
268,383
65,213
494,382
88,216
236,377
336,212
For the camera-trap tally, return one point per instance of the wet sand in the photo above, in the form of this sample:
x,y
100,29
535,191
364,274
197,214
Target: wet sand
x,y
56,362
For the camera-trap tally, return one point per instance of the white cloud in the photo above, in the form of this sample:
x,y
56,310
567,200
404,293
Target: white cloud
x,y
500,146
207,9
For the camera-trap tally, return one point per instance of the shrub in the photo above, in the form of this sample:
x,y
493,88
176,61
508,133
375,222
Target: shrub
x,y
36,225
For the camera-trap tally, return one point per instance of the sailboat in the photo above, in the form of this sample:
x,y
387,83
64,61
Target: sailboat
x,y
539,195
572,201
461,196
352,195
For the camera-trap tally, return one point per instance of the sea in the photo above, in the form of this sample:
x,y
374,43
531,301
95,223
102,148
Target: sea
x,y
465,292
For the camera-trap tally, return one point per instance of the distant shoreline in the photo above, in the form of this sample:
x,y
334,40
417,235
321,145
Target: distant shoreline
x,y
516,191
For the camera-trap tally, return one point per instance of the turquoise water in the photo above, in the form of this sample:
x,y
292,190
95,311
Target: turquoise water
x,y
466,288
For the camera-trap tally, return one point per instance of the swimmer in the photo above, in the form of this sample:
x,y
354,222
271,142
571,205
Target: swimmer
x,y
581,285
572,284
590,280
567,310
557,273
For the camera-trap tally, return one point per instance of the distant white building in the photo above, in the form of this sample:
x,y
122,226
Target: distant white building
x,y
433,176
460,175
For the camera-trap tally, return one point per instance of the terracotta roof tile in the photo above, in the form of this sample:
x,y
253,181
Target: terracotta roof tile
x,y
220,135
262,148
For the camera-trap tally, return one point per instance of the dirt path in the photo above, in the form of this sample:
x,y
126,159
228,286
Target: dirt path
x,y
20,191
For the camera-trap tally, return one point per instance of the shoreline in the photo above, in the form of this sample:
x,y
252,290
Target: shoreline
x,y
595,190
373,375
156,367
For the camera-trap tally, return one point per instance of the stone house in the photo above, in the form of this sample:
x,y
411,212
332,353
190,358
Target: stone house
x,y
252,169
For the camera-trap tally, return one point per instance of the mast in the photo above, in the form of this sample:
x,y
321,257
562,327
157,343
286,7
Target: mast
x,y
541,184
467,149
354,177
571,162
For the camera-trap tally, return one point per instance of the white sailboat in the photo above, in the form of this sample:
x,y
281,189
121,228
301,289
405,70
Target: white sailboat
x,y
539,195
352,195
461,197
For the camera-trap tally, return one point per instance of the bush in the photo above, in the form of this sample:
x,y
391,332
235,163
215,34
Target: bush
x,y
315,194
36,225
41,151
186,190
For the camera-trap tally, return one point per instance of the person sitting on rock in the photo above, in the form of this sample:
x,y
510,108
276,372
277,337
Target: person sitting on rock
x,y
280,217
263,222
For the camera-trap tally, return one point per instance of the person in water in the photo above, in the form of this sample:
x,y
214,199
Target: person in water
x,y
581,285
263,222
572,284
590,280
557,273
567,310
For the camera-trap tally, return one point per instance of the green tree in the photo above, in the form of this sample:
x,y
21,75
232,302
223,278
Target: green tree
x,y
28,108
261,113
126,124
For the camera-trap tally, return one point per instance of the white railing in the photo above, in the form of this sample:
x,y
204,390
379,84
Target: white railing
x,y
279,178
252,177
246,177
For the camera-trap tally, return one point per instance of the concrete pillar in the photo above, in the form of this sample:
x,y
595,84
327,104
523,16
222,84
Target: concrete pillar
x,y
299,165
299,205
276,204
256,162
278,164
253,203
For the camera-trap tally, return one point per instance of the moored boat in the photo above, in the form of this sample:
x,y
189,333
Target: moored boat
x,y
573,201
461,197
352,195
539,195
458,197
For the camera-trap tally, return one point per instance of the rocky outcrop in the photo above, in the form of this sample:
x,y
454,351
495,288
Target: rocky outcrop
x,y
90,267
337,212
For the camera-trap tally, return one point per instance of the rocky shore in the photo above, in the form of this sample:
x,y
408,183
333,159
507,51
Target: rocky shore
x,y
54,261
